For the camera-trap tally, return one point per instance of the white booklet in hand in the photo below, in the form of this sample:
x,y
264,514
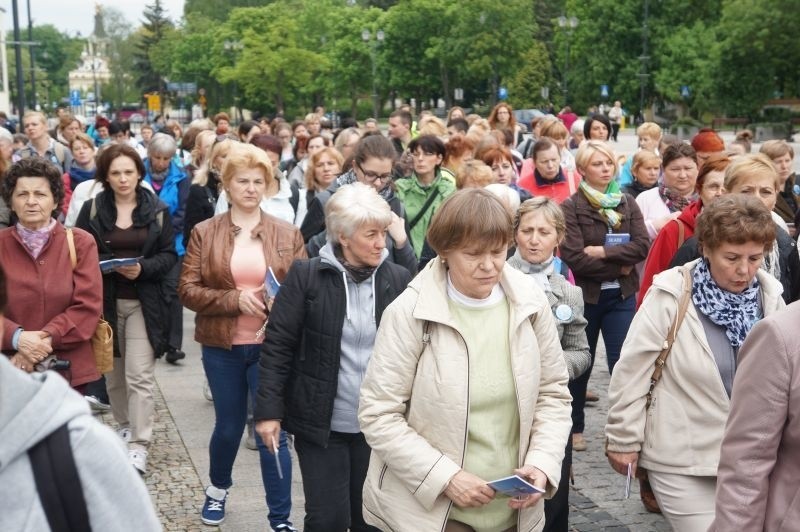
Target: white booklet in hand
x,y
514,486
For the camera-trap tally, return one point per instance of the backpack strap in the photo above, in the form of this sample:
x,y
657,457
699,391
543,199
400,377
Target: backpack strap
x,y
681,233
424,209
73,257
58,483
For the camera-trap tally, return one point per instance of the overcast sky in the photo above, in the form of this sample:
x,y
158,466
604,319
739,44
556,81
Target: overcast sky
x,y
78,15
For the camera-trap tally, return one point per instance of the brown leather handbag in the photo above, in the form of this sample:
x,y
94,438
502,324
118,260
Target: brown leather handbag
x,y
645,490
103,337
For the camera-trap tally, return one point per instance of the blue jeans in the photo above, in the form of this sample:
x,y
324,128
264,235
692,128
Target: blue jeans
x,y
613,315
231,374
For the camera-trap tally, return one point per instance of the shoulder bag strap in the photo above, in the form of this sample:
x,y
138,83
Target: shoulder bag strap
x,y
667,347
424,209
58,483
71,243
681,233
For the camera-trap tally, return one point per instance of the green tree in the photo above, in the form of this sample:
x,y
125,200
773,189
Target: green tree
x,y
215,9
524,86
155,27
120,48
56,54
272,69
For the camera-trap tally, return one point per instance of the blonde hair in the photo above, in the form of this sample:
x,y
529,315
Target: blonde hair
x,y
554,129
433,126
474,174
642,158
747,165
244,157
549,208
506,194
220,148
197,152
651,129
588,149
352,206
311,172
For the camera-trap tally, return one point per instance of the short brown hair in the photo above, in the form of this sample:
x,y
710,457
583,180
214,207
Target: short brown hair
x,y
82,137
776,148
472,216
717,162
106,156
221,116
35,167
734,219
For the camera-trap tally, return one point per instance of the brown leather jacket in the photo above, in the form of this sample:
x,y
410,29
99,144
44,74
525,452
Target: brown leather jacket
x,y
206,284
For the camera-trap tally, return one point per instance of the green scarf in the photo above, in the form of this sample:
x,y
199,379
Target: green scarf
x,y
604,203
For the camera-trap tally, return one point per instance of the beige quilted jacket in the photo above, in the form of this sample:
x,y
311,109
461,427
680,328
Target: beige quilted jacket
x,y
415,401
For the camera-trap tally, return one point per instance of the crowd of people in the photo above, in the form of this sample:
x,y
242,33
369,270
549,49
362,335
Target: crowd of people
x,y
417,314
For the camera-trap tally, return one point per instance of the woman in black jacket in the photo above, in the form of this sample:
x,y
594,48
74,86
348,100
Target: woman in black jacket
x,y
318,343
129,222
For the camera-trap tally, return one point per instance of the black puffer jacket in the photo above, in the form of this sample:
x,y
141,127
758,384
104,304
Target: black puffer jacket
x,y
158,252
299,367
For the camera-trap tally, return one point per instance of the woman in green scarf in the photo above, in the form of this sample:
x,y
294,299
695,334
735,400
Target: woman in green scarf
x,y
606,238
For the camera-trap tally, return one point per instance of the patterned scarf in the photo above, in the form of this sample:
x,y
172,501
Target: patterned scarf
x,y
604,203
674,201
358,273
35,239
736,312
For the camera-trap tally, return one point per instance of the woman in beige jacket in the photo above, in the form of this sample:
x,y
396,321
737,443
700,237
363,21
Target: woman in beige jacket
x,y
678,438
467,384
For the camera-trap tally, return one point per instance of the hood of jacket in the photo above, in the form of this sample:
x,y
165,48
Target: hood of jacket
x,y
147,206
31,407
328,257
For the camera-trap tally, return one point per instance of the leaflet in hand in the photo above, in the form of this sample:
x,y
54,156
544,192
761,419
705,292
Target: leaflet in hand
x,y
108,265
514,486
271,284
617,239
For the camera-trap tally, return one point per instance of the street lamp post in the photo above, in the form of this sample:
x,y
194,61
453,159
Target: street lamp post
x,y
366,36
568,24
234,47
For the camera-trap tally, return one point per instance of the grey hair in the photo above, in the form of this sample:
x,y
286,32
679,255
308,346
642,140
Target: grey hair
x,y
162,144
353,206
6,136
507,195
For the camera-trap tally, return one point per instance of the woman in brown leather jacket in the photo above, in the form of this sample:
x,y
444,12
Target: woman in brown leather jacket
x,y
227,260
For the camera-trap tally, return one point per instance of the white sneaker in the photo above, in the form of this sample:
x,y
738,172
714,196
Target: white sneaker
x,y
125,434
138,459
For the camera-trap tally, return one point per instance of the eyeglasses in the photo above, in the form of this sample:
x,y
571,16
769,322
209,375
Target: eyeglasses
x,y
371,177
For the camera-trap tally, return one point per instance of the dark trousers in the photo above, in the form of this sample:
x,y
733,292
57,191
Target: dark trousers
x,y
333,478
614,131
174,309
612,314
556,510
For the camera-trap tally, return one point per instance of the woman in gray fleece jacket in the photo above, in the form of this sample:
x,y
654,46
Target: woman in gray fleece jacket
x,y
317,347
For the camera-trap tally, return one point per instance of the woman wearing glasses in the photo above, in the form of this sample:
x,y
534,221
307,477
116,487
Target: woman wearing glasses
x,y
425,190
373,160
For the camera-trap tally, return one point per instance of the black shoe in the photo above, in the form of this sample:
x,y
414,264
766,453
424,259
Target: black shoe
x,y
174,355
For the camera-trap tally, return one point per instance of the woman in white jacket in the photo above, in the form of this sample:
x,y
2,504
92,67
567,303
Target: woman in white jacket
x,y
677,439
466,384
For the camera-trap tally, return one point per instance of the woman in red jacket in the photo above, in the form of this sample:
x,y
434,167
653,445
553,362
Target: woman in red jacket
x,y
50,311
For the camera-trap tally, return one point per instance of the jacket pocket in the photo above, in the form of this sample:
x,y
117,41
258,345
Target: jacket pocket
x,y
668,435
380,477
